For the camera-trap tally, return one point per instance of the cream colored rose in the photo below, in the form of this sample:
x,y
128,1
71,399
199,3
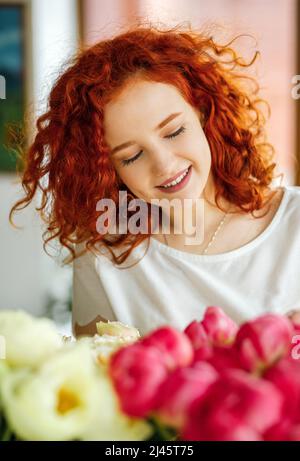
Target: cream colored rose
x,y
103,346
57,401
67,398
117,329
4,369
111,336
28,340
111,424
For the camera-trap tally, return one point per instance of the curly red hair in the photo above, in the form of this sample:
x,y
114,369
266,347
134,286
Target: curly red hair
x,y
69,150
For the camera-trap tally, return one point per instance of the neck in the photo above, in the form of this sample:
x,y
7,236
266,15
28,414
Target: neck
x,y
197,217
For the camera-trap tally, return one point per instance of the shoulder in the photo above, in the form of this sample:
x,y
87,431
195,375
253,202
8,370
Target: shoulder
x,y
294,193
85,256
292,199
290,211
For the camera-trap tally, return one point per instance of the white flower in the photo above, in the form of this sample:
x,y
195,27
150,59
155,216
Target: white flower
x,y
57,401
4,369
29,340
118,329
103,346
111,424
67,398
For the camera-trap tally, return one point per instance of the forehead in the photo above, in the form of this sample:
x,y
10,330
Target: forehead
x,y
142,101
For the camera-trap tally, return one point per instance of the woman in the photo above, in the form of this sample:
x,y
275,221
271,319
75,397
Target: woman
x,y
165,115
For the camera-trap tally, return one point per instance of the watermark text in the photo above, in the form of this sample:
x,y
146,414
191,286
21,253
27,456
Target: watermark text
x,y
2,87
185,217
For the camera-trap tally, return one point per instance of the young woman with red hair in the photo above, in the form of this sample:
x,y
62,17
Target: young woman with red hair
x,y
164,114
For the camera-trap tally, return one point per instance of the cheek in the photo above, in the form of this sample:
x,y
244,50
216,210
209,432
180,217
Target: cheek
x,y
135,181
128,175
203,153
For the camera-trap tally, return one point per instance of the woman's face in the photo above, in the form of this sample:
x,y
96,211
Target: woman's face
x,y
153,156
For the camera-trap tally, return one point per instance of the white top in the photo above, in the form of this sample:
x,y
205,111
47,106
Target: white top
x,y
170,286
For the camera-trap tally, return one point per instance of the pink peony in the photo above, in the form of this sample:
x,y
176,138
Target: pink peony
x,y
280,431
261,342
284,431
218,326
220,357
215,330
137,372
285,375
203,353
223,358
196,334
238,406
294,434
175,348
233,431
179,391
199,340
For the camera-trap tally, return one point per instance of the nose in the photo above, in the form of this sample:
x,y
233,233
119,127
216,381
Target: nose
x,y
163,165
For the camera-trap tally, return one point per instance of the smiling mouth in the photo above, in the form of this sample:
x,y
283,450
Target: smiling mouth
x,y
176,181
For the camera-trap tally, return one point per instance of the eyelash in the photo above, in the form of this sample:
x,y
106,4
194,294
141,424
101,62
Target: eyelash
x,y
173,135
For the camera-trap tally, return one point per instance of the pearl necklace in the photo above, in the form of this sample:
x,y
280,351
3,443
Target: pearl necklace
x,y
213,237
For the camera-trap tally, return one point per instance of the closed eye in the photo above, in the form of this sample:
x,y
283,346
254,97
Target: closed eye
x,y
170,136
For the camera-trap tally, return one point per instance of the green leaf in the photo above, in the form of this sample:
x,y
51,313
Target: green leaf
x,y
161,431
6,435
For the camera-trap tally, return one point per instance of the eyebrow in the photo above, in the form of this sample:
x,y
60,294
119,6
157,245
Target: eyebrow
x,y
159,127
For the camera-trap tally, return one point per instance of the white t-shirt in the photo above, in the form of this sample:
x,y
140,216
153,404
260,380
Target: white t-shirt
x,y
172,287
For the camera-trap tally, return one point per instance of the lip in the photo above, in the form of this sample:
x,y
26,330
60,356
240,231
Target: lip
x,y
180,185
173,177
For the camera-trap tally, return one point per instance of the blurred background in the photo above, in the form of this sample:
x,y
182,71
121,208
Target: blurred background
x,y
37,37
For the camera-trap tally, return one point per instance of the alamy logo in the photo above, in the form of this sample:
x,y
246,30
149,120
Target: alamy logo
x,y
2,87
2,348
296,348
296,88
184,214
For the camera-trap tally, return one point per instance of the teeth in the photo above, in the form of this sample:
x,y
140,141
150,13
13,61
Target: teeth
x,y
178,180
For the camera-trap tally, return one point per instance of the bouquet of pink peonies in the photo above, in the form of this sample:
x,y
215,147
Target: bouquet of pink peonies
x,y
215,380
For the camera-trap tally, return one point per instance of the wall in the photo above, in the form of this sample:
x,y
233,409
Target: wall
x,y
271,22
26,271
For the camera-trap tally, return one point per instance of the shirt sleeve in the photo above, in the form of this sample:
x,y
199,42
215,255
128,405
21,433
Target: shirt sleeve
x,y
89,296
